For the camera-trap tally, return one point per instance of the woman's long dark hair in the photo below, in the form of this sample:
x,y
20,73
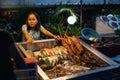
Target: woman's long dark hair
x,y
37,27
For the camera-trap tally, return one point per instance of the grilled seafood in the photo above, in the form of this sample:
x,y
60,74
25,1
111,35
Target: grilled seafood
x,y
66,45
52,56
72,44
58,50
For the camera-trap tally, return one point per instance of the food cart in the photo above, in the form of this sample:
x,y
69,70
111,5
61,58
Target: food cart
x,y
91,61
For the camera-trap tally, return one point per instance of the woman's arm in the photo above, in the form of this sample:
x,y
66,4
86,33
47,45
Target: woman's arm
x,y
48,33
26,35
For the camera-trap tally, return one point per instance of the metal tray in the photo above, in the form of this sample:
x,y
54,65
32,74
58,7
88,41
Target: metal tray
x,y
50,43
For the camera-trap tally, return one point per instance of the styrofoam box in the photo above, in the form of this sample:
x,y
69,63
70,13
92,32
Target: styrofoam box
x,y
103,28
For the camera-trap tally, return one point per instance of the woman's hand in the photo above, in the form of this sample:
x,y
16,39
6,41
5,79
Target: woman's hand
x,y
29,41
56,37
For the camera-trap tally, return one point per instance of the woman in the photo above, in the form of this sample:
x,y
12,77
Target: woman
x,y
9,51
31,30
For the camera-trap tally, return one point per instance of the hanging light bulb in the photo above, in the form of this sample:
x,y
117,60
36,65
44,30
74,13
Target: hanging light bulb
x,y
71,19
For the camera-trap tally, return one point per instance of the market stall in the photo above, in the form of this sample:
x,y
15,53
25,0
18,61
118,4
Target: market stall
x,y
62,66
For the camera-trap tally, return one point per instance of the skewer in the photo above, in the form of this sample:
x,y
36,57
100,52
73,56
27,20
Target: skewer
x,y
59,31
67,28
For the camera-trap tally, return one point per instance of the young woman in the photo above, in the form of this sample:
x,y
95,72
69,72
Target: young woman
x,y
31,30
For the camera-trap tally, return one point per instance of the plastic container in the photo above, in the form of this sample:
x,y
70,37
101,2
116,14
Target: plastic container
x,y
90,36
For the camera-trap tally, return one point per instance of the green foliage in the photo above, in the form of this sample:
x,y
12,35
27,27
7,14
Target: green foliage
x,y
58,24
115,11
74,31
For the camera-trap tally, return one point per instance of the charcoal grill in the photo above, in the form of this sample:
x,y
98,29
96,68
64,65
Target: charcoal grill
x,y
50,43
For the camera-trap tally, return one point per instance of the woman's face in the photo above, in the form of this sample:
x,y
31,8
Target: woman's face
x,y
32,20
